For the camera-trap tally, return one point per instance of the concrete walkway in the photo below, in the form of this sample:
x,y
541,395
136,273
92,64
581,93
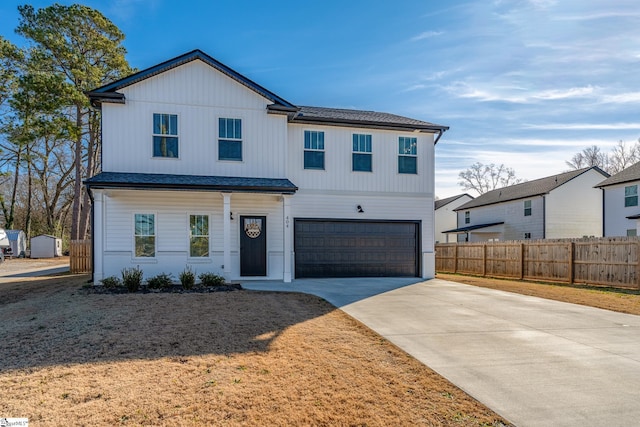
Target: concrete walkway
x,y
536,362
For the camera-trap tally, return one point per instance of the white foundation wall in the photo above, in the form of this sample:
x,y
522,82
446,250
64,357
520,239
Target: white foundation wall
x,y
172,210
376,206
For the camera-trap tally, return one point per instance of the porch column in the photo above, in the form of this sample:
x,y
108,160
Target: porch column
x,y
226,234
288,236
98,236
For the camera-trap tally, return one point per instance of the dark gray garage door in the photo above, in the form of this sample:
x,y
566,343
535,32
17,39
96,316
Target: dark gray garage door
x,y
334,248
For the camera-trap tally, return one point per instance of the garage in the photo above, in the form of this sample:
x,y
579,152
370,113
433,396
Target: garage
x,y
354,248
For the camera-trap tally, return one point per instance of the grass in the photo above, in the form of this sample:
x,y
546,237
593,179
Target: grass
x,y
72,357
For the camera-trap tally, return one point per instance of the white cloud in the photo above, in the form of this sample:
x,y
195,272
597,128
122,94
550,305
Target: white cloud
x,y
516,94
573,92
622,98
596,16
426,35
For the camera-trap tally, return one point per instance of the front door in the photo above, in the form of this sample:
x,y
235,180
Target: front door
x,y
253,245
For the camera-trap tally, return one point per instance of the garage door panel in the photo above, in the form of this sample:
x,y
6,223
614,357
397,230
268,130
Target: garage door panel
x,y
344,248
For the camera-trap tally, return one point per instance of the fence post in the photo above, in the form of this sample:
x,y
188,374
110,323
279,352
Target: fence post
x,y
521,261
484,260
572,251
455,259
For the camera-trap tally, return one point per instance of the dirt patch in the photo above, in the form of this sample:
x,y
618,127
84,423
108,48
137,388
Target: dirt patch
x,y
621,300
238,358
20,265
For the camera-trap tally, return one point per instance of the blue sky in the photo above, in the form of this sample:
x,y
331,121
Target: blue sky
x,y
527,83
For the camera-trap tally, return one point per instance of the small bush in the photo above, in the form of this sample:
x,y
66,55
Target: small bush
x,y
161,281
187,278
211,279
111,282
132,278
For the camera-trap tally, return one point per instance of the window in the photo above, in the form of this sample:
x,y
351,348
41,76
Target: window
x,y
230,139
467,217
198,235
407,155
527,235
313,149
145,235
165,135
631,196
361,157
527,208
632,232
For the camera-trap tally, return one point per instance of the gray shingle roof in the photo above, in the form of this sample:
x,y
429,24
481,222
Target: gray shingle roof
x,y
526,189
190,182
443,202
308,114
632,173
328,116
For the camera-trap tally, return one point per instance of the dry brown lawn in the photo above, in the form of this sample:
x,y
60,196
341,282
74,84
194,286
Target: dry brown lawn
x,y
71,357
622,300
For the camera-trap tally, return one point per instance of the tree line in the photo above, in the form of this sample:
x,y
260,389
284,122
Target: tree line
x,y
482,178
50,138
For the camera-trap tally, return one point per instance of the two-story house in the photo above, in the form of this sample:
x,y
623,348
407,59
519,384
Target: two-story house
x,y
446,218
621,211
202,167
558,206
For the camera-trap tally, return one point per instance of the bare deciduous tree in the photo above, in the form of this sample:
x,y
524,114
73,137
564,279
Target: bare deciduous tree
x,y
483,178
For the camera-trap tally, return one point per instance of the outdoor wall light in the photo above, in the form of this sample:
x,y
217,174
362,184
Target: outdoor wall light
x,y
360,210
231,216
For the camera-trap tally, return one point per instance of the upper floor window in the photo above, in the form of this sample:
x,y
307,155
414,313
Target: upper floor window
x,y
165,135
145,235
527,235
408,155
631,195
467,217
313,149
198,235
527,208
632,232
361,157
230,139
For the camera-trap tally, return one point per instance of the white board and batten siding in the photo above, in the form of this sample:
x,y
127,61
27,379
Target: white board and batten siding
x,y
338,174
199,96
574,209
616,222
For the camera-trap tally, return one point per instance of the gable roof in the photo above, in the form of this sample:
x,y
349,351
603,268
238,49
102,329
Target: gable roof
x,y
443,202
632,173
296,114
108,93
523,190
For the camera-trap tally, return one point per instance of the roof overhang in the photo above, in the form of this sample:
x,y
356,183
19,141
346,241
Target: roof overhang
x,y
167,182
494,227
634,216
368,124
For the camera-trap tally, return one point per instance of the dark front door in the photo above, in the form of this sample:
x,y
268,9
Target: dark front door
x,y
253,245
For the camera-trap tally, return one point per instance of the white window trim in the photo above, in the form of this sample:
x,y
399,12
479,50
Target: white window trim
x,y
240,140
153,135
197,258
407,155
305,149
145,259
370,153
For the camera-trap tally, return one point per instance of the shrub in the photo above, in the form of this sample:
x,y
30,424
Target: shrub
x,y
187,278
161,281
132,278
111,282
211,279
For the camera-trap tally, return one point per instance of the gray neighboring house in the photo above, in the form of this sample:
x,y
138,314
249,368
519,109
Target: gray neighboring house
x,y
621,210
558,206
446,217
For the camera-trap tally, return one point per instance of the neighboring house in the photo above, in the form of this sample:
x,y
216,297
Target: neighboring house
x,y
446,217
621,210
202,167
558,206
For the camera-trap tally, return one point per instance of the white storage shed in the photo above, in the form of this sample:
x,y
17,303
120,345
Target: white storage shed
x,y
46,246
18,242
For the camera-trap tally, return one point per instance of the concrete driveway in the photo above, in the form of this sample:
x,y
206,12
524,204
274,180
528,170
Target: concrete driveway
x,y
536,362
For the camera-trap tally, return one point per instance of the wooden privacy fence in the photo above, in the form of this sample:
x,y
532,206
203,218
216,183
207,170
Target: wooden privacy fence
x,y
80,256
604,261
